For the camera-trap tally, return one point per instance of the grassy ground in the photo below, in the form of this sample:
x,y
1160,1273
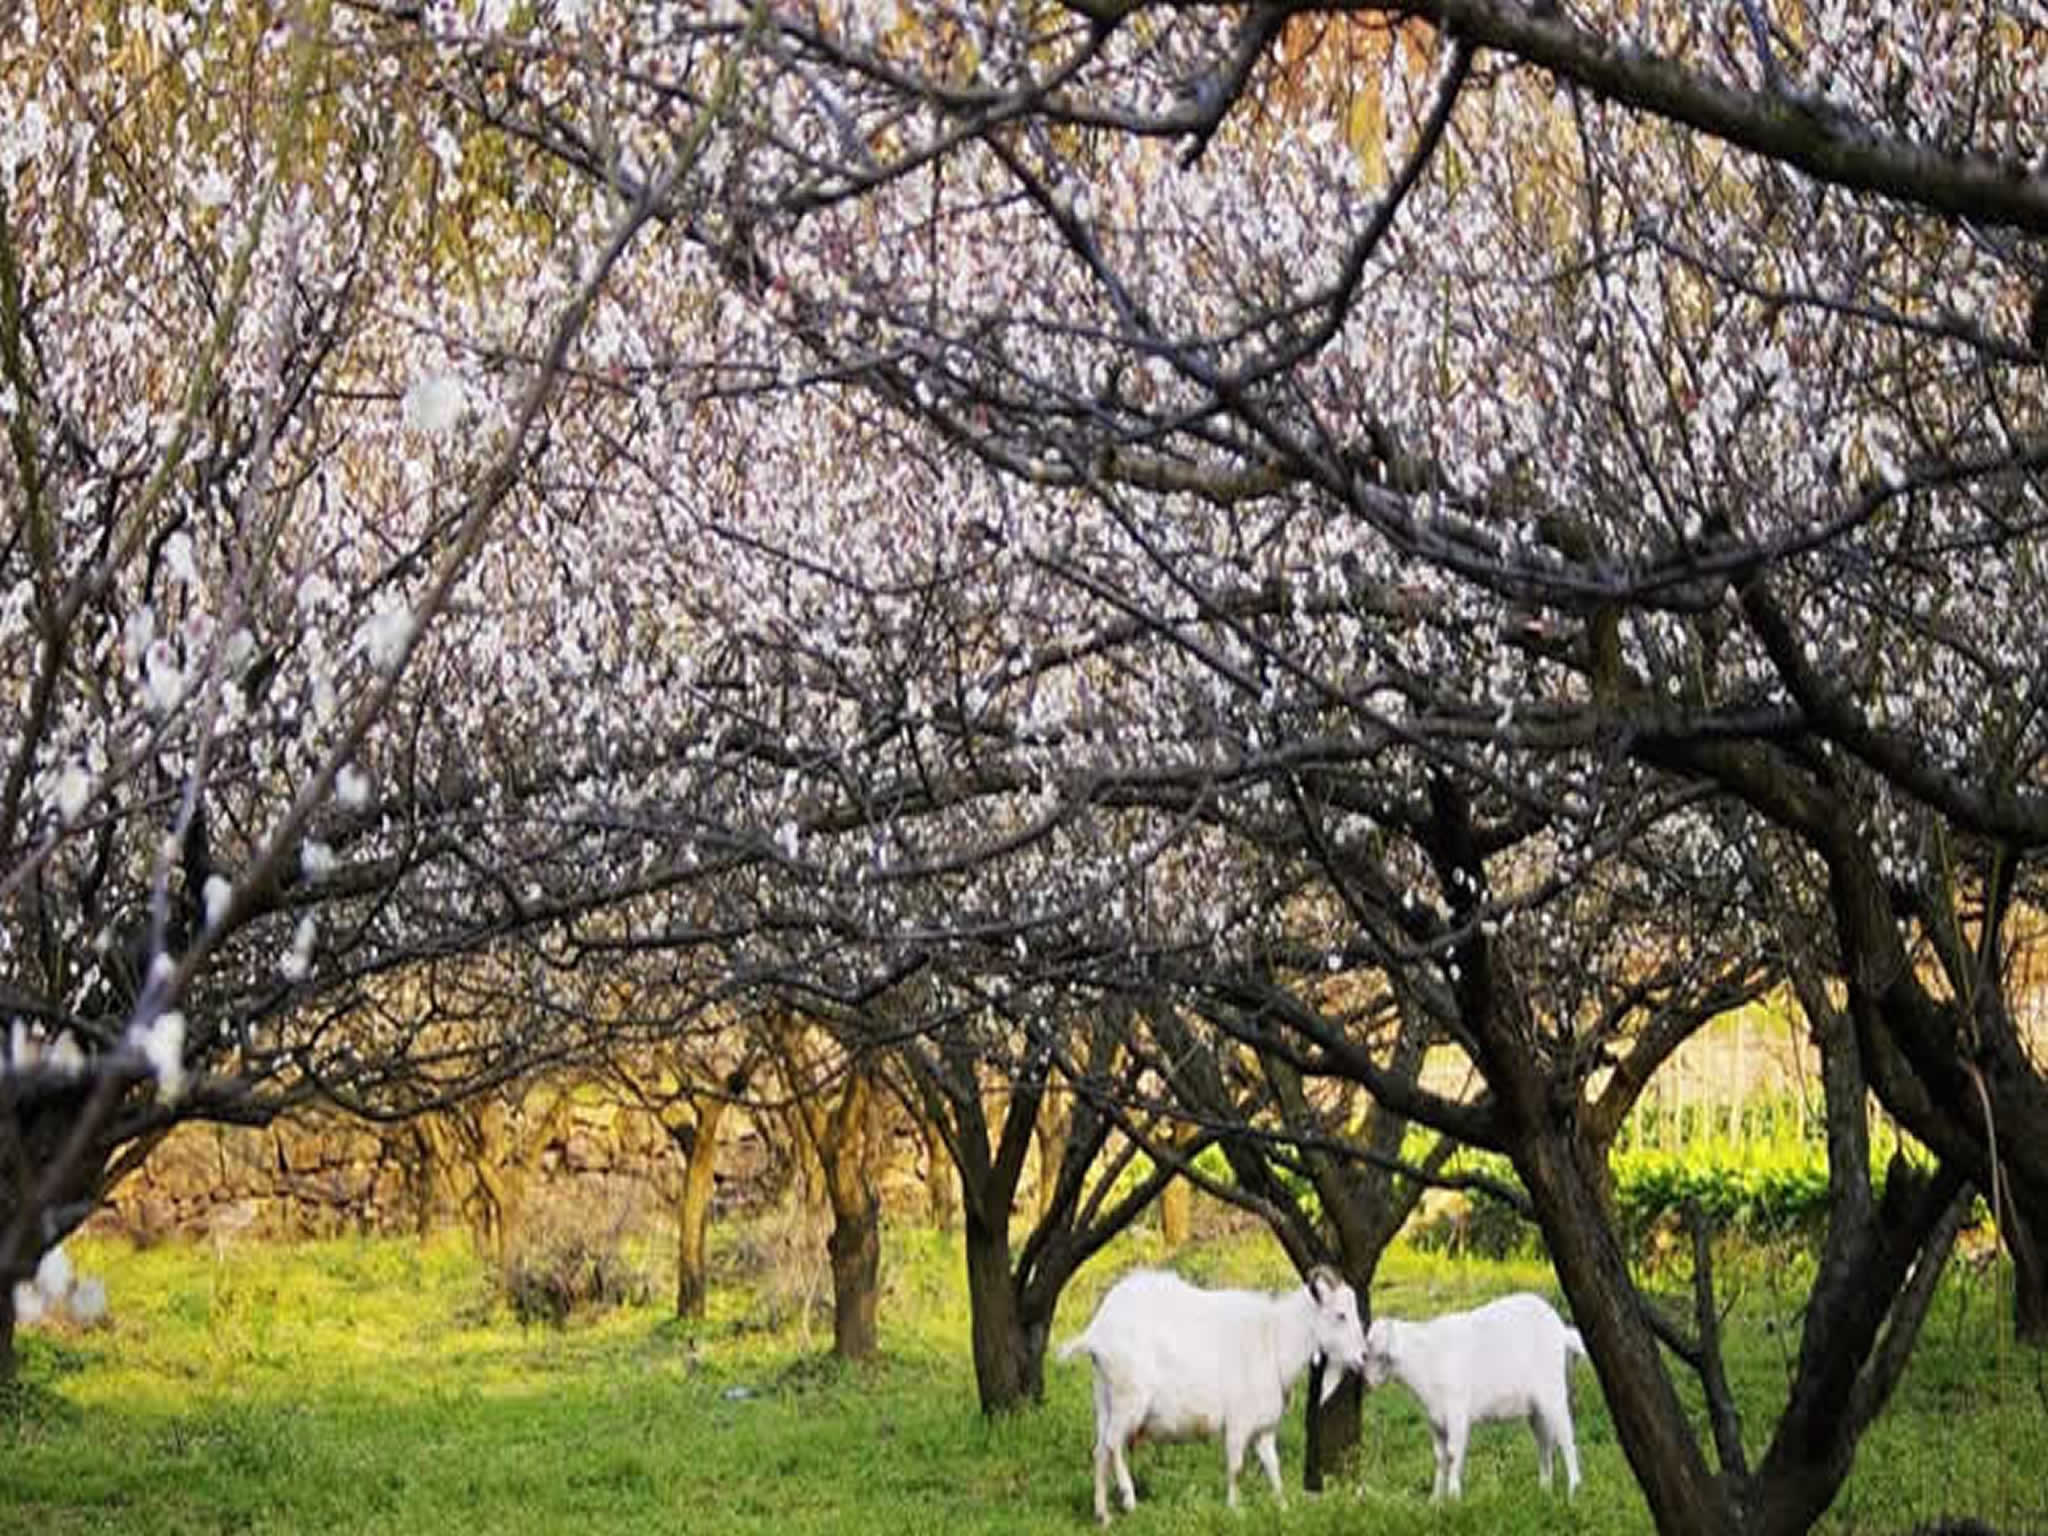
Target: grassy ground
x,y
375,1387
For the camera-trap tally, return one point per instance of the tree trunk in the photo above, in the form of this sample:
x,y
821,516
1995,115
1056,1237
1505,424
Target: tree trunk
x,y
1333,1427
1176,1209
1655,1431
845,1142
2029,1277
1051,1136
10,1364
698,1143
1652,1425
941,1180
855,1247
1002,1375
421,1177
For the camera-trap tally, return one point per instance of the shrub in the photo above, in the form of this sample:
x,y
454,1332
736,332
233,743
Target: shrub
x,y
1761,1191
1477,1226
780,1257
566,1259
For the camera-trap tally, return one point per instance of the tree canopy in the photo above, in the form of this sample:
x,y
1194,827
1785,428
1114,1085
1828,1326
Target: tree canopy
x,y
1514,520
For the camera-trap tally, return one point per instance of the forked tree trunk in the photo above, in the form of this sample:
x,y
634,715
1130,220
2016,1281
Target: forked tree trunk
x,y
1655,1432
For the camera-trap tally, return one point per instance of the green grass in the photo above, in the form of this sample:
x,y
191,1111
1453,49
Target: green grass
x,y
373,1386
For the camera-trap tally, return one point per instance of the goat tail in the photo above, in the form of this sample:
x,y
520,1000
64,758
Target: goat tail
x,y
1074,1346
1574,1345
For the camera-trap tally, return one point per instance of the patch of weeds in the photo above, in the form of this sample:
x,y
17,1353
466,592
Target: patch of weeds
x,y
28,1409
45,1355
567,1260
812,1373
190,1307
619,1474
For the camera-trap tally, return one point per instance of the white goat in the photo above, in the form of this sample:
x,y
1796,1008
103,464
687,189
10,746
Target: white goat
x,y
1173,1361
1506,1360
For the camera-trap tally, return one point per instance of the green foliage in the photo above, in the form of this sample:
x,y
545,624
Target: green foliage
x,y
1769,1193
1757,1170
359,1387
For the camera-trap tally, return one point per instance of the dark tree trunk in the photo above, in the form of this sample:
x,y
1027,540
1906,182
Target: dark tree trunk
x,y
1655,1432
1878,1265
1333,1427
1002,1377
2024,1240
10,1364
1012,1298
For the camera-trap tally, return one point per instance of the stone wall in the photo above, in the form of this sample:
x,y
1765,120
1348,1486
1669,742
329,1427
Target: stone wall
x,y
323,1174
320,1175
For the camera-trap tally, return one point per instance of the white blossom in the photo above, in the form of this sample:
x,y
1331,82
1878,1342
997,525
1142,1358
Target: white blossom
x,y
433,404
385,635
163,1048
164,680
352,787
179,560
315,593
67,1057
74,792
297,962
211,189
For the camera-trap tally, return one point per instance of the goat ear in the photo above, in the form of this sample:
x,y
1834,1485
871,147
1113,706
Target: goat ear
x,y
1323,1282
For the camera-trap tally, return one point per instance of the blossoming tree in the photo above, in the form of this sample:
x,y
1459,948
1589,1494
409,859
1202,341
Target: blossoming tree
x,y
273,362
1528,442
